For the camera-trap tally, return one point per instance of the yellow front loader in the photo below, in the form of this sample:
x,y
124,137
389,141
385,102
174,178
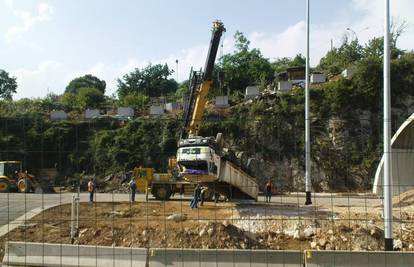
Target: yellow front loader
x,y
161,185
13,177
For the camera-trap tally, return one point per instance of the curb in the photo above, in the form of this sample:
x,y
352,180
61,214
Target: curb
x,y
22,220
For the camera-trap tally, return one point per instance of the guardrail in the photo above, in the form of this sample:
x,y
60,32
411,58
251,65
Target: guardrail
x,y
63,255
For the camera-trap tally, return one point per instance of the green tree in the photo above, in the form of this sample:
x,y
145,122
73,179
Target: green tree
x,y
340,58
281,64
86,81
182,89
135,100
245,66
151,81
8,85
90,98
70,102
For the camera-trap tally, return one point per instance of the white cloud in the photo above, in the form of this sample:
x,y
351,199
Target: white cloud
x,y
369,24
36,82
27,19
192,57
288,43
401,11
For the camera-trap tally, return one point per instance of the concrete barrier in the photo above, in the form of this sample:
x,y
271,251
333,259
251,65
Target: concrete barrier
x,y
50,255
44,254
358,259
223,258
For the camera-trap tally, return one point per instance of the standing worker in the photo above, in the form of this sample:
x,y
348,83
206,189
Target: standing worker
x,y
133,187
268,190
196,196
91,189
202,194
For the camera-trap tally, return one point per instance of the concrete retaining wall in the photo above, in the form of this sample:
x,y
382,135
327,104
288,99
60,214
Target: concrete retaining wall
x,y
39,254
224,258
358,259
43,254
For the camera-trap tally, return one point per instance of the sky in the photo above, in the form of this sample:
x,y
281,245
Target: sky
x,y
45,44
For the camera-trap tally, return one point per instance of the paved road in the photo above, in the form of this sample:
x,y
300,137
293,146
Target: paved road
x,y
14,205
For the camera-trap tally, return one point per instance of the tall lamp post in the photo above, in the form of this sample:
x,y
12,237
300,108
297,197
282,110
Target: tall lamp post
x,y
307,119
387,183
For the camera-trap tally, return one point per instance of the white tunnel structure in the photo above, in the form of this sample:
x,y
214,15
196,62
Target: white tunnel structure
x,y
402,161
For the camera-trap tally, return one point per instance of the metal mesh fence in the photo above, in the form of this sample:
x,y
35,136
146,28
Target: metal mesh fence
x,y
53,221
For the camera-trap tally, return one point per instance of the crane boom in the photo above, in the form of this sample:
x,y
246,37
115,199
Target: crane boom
x,y
196,109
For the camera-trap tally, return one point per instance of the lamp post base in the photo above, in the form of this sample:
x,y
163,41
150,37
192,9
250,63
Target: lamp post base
x,y
389,244
308,198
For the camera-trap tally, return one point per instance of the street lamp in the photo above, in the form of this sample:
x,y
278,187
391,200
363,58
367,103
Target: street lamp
x,y
176,69
387,182
355,33
308,179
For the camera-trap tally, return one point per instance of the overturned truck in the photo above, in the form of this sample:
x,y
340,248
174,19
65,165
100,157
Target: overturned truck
x,y
200,161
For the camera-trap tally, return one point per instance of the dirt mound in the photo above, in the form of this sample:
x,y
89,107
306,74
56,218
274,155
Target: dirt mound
x,y
404,199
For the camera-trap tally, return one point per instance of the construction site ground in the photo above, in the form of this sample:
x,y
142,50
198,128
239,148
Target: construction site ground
x,y
173,224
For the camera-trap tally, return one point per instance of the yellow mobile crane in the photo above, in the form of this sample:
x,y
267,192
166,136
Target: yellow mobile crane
x,y
163,185
200,159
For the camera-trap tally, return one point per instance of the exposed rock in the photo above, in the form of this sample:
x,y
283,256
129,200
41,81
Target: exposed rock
x,y
398,245
296,234
376,232
309,232
177,217
82,232
322,242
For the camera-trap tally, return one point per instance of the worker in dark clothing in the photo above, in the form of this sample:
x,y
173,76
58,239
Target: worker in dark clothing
x,y
133,187
196,196
268,190
202,194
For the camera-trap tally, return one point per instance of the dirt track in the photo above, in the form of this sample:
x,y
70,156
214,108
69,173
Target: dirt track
x,y
222,225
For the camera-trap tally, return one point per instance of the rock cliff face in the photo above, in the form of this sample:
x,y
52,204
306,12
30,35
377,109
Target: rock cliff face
x,y
267,137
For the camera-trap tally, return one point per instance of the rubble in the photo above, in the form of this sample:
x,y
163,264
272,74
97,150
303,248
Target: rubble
x,y
176,217
173,225
309,232
398,245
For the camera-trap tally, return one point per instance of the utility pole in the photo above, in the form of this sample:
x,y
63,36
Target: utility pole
x,y
307,119
387,134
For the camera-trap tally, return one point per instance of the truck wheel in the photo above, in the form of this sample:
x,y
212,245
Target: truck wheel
x,y
162,192
4,186
23,185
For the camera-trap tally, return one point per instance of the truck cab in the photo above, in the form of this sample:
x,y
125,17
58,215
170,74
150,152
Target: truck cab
x,y
197,159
